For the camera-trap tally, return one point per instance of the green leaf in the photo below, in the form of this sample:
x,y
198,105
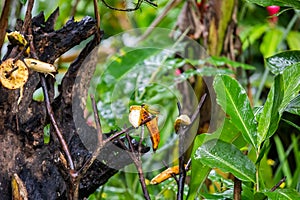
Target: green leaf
x,y
270,116
220,61
47,134
234,101
271,41
293,40
23,2
291,85
282,155
225,156
199,171
292,124
285,88
278,62
283,194
228,133
294,106
253,34
122,64
289,3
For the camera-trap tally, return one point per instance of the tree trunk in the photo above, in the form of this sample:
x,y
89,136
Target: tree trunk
x,y
24,159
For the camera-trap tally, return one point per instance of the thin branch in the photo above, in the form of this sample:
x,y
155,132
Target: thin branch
x,y
182,157
179,108
47,100
172,174
188,165
4,22
138,5
27,19
278,184
96,13
158,19
116,135
54,123
74,8
97,121
96,153
137,160
151,3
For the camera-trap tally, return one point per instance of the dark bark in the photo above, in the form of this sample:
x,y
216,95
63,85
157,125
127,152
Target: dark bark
x,y
41,166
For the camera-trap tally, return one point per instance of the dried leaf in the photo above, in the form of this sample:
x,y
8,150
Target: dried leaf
x,y
19,191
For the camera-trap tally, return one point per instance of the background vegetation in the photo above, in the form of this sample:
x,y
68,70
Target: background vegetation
x,y
263,101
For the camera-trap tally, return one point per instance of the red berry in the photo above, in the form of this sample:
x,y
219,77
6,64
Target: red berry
x,y
272,10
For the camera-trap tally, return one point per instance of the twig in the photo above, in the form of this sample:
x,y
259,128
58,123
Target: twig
x,y
182,136
45,90
121,9
46,96
157,20
188,165
96,13
96,153
97,121
172,174
54,123
179,108
4,22
136,157
27,19
74,7
278,184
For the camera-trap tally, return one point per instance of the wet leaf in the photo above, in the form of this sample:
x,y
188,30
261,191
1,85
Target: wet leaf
x,y
283,194
225,156
234,101
279,62
285,88
269,118
294,106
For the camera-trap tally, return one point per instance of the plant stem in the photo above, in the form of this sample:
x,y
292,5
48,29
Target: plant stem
x,y
237,189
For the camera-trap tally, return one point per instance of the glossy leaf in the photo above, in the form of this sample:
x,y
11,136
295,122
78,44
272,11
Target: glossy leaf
x,y
199,171
290,3
283,194
285,88
225,156
294,106
270,116
291,82
234,101
279,62
226,132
